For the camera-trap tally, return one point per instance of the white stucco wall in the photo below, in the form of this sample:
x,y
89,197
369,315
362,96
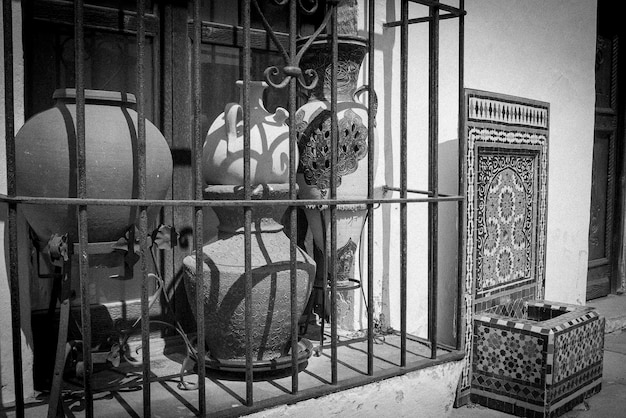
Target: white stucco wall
x,y
545,50
424,393
7,392
534,49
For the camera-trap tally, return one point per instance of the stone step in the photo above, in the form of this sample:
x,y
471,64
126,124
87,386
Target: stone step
x,y
613,308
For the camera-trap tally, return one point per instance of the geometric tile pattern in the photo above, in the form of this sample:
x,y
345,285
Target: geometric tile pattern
x,y
505,219
508,354
578,349
505,226
482,107
539,365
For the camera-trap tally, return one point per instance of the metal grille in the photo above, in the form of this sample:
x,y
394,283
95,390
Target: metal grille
x,y
285,43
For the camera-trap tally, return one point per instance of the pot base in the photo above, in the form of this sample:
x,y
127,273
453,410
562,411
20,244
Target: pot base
x,y
305,349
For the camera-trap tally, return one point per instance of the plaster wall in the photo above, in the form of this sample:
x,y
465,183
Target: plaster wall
x,y
7,391
547,52
535,49
424,393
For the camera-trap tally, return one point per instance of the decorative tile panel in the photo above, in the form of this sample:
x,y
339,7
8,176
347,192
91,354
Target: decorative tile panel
x,y
506,142
524,355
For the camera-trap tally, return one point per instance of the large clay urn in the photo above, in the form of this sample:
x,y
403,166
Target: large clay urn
x,y
223,151
46,164
223,282
313,123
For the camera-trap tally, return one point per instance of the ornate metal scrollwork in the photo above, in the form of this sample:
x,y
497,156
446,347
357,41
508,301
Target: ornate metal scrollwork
x,y
307,79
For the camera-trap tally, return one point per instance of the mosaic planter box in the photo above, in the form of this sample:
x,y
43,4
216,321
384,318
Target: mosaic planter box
x,y
537,358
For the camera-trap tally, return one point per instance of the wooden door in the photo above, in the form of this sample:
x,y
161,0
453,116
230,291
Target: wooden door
x,y
605,220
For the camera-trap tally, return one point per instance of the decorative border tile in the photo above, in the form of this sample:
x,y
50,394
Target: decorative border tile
x,y
486,108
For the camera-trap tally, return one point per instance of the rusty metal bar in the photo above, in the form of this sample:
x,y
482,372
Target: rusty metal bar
x,y
198,215
416,191
333,193
143,214
436,4
420,20
433,176
461,167
247,63
212,203
371,122
404,52
83,238
293,221
9,121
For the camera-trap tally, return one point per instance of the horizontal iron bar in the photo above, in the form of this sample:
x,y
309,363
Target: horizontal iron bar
x,y
208,203
96,17
398,189
439,5
420,20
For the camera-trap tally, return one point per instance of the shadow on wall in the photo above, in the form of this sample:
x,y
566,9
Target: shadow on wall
x,y
387,42
448,184
448,243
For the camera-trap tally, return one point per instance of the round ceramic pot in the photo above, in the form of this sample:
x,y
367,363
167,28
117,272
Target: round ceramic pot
x,y
46,164
223,151
224,279
313,124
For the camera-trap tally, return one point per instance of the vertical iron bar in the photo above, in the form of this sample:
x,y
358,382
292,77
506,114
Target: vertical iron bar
x,y
433,177
198,215
247,62
404,50
9,121
333,194
143,210
83,238
293,223
461,183
370,191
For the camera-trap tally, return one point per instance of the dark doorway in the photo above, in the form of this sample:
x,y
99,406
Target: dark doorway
x,y
606,220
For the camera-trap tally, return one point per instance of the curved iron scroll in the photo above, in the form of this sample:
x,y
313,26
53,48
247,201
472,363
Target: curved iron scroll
x,y
307,79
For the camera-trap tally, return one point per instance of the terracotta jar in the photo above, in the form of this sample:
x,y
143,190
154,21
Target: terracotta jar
x,y
313,123
224,279
46,164
222,154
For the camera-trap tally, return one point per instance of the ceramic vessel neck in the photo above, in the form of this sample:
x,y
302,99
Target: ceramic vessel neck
x,y
264,218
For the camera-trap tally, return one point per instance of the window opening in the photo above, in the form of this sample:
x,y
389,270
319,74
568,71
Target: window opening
x,y
220,57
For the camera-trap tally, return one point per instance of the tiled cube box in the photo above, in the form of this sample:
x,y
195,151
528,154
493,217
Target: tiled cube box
x,y
537,359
